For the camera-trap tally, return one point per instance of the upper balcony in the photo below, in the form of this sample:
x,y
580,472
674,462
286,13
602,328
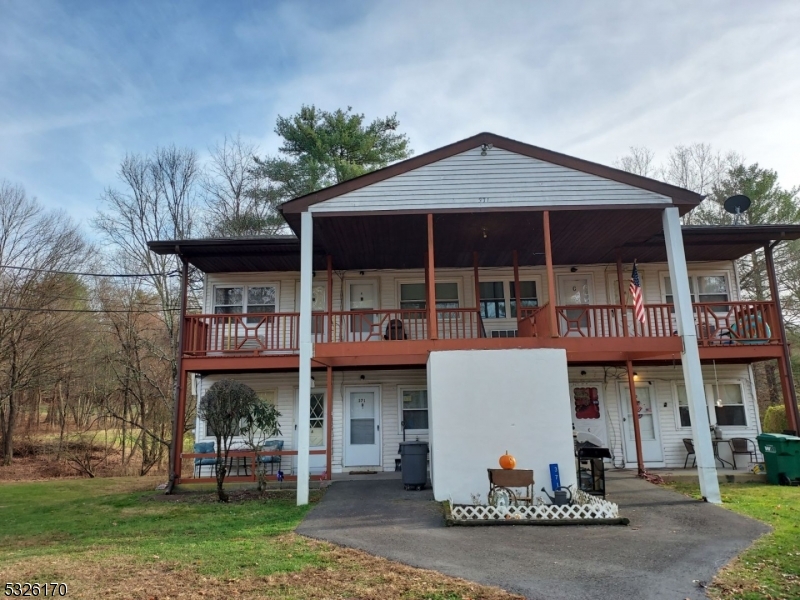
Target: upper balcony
x,y
589,333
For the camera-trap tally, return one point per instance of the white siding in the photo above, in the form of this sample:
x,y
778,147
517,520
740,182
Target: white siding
x,y
500,179
662,380
388,283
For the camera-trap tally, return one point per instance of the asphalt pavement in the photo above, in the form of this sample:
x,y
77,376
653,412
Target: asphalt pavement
x,y
672,547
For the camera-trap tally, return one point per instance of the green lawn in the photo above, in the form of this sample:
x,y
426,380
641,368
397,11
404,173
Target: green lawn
x,y
771,567
104,515
118,538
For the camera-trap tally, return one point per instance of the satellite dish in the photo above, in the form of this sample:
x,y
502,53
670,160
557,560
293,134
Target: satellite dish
x,y
736,205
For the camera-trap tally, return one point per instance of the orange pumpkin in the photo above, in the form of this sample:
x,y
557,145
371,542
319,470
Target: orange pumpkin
x,y
507,461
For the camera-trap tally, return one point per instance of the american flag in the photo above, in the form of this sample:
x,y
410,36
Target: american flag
x,y
636,294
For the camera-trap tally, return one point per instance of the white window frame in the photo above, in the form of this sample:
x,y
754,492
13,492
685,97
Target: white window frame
x,y
693,275
708,390
459,281
411,388
507,281
245,287
712,403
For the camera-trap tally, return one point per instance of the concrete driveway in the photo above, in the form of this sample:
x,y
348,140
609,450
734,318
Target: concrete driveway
x,y
671,542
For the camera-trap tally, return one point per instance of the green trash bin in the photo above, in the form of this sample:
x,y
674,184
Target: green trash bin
x,y
781,456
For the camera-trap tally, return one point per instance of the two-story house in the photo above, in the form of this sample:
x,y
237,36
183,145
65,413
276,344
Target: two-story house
x,y
487,244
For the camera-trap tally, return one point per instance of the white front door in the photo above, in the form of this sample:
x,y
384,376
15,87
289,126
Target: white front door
x,y
648,424
362,296
575,290
317,432
362,426
588,413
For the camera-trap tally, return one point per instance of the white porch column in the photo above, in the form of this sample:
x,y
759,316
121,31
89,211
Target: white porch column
x,y
306,351
690,356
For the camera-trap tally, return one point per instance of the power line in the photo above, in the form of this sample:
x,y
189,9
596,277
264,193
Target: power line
x,y
167,274
87,310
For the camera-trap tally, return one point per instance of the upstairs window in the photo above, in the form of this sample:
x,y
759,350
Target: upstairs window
x,y
702,288
499,300
412,295
527,296
493,300
237,300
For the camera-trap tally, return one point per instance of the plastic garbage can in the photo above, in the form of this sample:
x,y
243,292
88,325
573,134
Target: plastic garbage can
x,y
781,456
414,461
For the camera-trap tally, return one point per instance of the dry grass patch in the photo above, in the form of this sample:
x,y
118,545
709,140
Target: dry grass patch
x,y
346,574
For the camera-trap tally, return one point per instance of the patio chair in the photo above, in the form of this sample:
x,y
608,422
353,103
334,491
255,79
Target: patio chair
x,y
689,445
743,446
395,330
273,446
199,463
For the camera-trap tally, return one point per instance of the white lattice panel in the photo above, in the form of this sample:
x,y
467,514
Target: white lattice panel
x,y
586,507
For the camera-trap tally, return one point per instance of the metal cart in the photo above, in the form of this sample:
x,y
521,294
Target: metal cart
x,y
505,481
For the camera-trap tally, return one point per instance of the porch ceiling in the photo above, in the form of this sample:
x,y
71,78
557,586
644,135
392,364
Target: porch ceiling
x,y
400,241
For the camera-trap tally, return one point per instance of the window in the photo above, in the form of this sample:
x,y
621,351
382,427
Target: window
x,y
412,295
683,406
228,301
493,300
702,288
729,405
496,295
414,409
238,300
527,295
316,436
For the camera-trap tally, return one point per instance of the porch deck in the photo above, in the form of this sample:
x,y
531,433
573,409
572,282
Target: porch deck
x,y
589,333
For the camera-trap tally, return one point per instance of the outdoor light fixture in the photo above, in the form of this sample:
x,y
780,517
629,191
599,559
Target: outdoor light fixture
x,y
635,375
573,269
485,149
484,232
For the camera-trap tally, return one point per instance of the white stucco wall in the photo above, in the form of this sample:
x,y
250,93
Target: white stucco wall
x,y
483,403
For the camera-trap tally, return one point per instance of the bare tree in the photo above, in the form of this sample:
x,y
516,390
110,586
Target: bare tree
x,y
158,200
36,247
235,193
639,161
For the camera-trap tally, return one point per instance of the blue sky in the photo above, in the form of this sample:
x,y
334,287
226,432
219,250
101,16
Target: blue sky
x,y
85,82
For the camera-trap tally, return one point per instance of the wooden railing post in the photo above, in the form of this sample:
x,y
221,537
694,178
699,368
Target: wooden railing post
x,y
329,298
551,278
622,302
433,330
517,293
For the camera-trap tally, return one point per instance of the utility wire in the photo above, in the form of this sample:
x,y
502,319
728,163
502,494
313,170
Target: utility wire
x,y
79,310
167,274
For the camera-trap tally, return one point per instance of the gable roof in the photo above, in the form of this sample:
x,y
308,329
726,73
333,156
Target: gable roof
x,y
679,196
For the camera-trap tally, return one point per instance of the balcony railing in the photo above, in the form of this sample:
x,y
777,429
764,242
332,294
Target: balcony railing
x,y
717,323
277,333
